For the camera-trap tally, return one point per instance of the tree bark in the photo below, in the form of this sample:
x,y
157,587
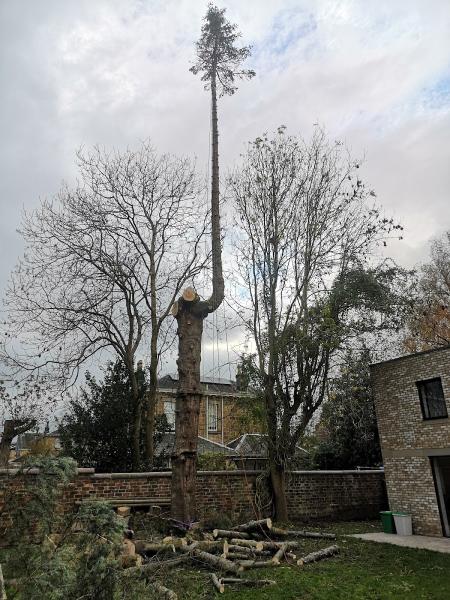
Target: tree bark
x,y
278,483
137,419
190,316
319,555
150,402
224,533
259,525
216,244
151,392
217,584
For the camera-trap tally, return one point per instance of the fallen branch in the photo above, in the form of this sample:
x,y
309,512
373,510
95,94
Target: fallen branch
x,y
217,584
248,543
215,561
276,545
277,531
247,550
277,557
254,525
225,533
257,564
238,556
248,582
319,555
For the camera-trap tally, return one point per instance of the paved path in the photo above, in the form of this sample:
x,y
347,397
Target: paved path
x,y
438,544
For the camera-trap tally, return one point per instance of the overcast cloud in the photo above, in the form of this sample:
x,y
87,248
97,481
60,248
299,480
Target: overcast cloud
x,y
114,72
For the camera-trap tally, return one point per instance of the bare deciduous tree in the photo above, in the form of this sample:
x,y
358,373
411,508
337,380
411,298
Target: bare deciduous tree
x,y
219,61
104,264
304,242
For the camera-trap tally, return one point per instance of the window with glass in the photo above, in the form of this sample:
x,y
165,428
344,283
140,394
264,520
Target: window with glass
x,y
432,398
169,411
213,415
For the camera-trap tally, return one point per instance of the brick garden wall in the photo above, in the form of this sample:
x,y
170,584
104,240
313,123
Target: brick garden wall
x,y
407,440
311,494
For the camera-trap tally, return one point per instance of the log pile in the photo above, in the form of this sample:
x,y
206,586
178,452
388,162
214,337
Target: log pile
x,y
228,554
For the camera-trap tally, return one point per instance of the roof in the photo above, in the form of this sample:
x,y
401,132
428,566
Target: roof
x,y
165,446
252,444
410,356
215,384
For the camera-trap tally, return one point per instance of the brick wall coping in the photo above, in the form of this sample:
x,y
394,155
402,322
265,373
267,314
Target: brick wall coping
x,y
35,471
336,472
145,475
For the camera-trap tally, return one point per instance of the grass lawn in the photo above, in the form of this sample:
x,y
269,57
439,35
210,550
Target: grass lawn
x,y
363,571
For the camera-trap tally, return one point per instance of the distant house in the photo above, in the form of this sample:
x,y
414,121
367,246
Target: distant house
x,y
412,402
221,409
163,450
38,442
250,451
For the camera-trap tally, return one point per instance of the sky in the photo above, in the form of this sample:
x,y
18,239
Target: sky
x,y
373,73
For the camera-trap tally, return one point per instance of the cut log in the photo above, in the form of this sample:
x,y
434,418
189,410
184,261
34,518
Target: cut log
x,y
257,564
123,511
248,543
277,557
244,549
276,545
264,524
284,533
248,582
224,533
319,555
238,556
143,547
162,591
189,294
217,584
175,541
217,562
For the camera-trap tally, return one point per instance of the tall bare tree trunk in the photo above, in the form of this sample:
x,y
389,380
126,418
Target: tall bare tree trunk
x,y
151,392
137,420
190,313
150,400
276,466
184,458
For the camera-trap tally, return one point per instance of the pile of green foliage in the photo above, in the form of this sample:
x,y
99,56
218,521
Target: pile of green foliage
x,y
61,556
97,426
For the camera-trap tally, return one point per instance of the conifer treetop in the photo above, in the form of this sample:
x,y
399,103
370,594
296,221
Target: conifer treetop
x,y
218,57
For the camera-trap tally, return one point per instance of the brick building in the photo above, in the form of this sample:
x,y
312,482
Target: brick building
x,y
412,401
223,415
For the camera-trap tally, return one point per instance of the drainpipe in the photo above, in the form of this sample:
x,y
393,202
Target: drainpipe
x,y
207,418
221,422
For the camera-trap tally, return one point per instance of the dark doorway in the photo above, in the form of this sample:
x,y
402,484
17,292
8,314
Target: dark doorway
x,y
441,469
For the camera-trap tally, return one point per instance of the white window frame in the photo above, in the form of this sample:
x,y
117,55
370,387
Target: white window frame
x,y
169,411
213,415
